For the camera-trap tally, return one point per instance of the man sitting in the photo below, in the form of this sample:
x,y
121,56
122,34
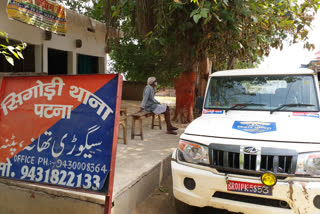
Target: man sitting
x,y
150,104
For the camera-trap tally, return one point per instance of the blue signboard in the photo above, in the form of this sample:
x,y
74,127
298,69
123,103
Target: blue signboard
x,y
59,130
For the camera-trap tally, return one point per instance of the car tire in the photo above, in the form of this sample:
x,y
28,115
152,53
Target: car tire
x,y
183,208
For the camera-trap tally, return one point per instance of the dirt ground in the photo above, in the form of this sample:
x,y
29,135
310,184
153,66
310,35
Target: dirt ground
x,y
161,201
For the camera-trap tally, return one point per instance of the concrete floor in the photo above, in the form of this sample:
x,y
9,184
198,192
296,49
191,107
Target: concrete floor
x,y
139,158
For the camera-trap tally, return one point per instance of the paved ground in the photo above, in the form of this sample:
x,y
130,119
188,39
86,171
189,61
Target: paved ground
x,y
139,156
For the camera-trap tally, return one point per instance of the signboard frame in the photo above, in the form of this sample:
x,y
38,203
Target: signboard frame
x,y
108,200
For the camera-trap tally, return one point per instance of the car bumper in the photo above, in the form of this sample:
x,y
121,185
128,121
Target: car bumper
x,y
299,194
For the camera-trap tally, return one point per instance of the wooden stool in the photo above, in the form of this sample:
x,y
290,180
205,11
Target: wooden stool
x,y
123,112
140,116
123,123
159,121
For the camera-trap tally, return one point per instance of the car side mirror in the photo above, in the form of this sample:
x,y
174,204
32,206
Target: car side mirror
x,y
199,103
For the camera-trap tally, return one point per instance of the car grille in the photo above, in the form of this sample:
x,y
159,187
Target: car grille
x,y
252,160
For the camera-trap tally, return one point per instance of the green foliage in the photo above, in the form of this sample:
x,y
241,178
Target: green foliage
x,y
97,11
11,51
136,61
165,37
195,1
247,30
233,33
136,57
91,8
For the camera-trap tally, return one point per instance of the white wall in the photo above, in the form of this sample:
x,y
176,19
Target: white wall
x,y
93,43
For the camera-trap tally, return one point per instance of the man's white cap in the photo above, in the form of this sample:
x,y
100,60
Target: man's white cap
x,y
151,80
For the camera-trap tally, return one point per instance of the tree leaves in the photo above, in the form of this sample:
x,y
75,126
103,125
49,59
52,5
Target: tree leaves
x,y
248,29
11,50
232,33
92,8
194,12
9,59
195,1
197,17
201,12
204,12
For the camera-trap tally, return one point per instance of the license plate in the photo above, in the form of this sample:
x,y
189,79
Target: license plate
x,y
238,186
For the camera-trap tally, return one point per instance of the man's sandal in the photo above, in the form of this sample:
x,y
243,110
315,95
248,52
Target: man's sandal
x,y
171,132
173,128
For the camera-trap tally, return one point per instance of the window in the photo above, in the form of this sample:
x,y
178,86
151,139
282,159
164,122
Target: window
x,y
87,64
57,62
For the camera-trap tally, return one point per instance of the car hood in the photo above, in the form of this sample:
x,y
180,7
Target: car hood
x,y
279,126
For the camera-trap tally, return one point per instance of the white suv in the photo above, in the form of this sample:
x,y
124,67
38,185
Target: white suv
x,y
255,148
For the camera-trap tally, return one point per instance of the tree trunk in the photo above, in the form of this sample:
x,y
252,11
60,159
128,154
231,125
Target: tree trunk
x,y
231,62
204,70
185,86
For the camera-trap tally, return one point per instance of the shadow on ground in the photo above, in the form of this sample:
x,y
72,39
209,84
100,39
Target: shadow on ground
x,y
161,201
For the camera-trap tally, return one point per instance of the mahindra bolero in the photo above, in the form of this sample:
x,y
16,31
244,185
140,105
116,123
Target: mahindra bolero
x,y
256,146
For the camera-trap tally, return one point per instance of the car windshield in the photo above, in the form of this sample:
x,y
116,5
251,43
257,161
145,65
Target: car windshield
x,y
270,93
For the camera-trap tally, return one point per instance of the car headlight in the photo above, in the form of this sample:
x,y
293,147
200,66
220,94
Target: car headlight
x,y
308,164
193,152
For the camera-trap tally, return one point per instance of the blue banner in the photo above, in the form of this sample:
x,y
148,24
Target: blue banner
x,y
254,127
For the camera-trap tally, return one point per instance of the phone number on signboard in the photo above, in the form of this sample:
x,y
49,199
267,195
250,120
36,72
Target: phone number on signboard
x,y
60,177
74,165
